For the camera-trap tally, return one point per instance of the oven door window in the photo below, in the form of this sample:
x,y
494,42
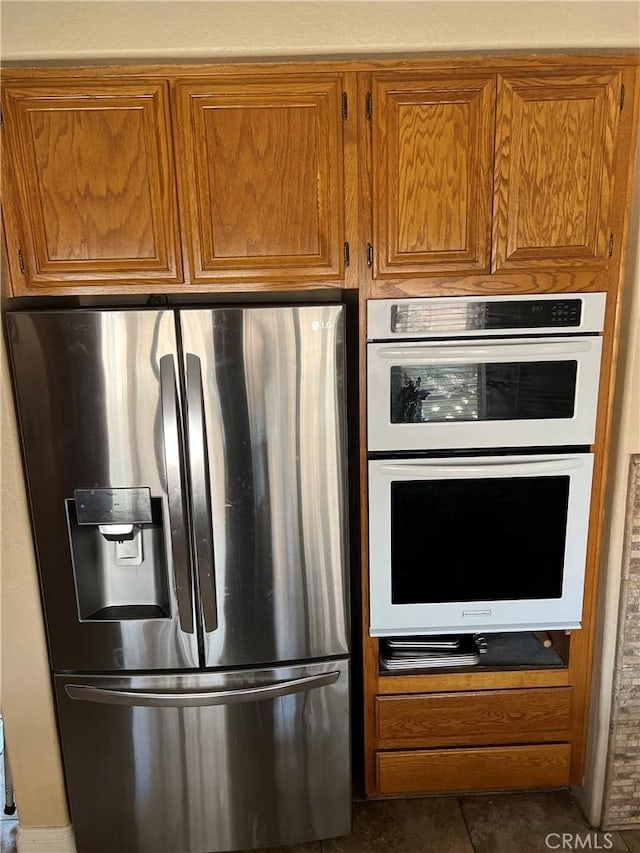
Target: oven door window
x,y
521,390
490,539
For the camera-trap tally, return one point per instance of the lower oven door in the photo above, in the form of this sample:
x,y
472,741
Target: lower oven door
x,y
495,543
485,393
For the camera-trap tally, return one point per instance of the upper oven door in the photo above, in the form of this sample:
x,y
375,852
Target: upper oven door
x,y
490,393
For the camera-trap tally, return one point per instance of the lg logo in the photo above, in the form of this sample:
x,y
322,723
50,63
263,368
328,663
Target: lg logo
x,y
316,325
576,841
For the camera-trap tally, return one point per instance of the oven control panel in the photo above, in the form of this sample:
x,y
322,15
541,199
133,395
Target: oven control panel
x,y
531,315
536,314
477,316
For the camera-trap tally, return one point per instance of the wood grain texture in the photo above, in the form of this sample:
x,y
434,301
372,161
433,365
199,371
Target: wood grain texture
x,y
483,769
12,275
555,143
474,718
93,173
562,281
432,163
369,644
502,679
436,62
351,129
261,178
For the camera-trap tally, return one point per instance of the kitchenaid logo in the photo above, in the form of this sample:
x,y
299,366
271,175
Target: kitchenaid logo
x,y
477,612
579,841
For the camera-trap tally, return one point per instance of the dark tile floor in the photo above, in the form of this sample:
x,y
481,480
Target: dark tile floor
x,y
509,823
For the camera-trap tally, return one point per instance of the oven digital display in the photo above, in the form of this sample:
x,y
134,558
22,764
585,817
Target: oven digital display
x,y
490,539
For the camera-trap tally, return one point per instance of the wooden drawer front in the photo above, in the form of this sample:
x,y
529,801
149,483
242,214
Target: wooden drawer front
x,y
488,716
484,769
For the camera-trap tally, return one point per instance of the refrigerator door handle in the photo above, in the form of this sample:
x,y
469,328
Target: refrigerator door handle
x,y
194,700
200,493
177,514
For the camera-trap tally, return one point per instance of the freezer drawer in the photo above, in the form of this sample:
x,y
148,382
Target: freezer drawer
x,y
207,762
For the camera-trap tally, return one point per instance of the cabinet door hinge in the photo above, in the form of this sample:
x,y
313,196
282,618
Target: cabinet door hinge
x,y
369,255
347,253
21,260
621,97
1,118
369,108
610,245
345,106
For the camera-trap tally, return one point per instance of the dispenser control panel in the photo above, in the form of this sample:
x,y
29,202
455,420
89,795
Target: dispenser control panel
x,y
113,506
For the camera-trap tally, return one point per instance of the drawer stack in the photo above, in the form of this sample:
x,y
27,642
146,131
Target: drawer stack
x,y
482,740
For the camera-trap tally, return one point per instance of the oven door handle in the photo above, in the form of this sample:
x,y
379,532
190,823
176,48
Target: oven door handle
x,y
501,467
446,351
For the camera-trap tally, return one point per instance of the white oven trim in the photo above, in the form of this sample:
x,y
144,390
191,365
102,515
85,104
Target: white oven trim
x,y
388,619
382,435
380,312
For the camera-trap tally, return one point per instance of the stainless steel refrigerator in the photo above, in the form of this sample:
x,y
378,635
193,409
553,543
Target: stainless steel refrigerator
x,y
187,475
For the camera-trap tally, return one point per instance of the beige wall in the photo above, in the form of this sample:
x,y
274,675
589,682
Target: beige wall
x,y
149,30
32,30
26,697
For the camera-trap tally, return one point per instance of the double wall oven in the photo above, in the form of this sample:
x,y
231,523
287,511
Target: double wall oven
x,y
480,415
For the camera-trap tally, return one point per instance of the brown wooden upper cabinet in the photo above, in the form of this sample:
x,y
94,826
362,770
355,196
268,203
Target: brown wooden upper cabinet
x,y
432,174
251,177
93,182
555,142
445,201
260,177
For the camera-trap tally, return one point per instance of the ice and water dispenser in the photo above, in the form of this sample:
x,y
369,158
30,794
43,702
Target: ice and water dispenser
x,y
119,557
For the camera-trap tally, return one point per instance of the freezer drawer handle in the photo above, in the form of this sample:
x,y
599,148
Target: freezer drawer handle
x,y
200,494
177,512
194,700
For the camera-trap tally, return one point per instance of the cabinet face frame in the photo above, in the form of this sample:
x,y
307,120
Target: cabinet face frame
x,y
124,191
432,159
555,142
296,124
537,275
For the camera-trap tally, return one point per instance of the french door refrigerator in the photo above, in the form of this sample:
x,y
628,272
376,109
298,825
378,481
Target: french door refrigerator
x,y
187,475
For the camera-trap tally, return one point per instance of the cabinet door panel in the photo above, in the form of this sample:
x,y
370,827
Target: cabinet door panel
x,y
554,170
432,164
261,178
93,171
